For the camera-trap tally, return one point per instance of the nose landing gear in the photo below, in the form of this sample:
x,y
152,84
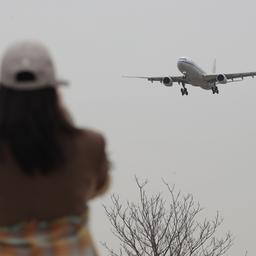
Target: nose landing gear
x,y
184,91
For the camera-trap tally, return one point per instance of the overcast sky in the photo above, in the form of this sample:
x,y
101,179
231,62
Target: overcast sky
x,y
203,143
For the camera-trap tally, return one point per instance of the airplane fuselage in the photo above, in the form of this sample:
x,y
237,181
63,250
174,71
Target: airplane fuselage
x,y
193,73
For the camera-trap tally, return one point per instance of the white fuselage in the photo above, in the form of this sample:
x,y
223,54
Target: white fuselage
x,y
194,74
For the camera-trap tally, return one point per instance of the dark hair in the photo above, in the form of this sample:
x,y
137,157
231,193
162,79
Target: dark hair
x,y
31,123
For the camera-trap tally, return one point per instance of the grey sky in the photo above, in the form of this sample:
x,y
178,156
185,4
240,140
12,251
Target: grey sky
x,y
203,143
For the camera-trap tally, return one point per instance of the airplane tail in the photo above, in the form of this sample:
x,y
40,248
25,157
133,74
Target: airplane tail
x,y
214,67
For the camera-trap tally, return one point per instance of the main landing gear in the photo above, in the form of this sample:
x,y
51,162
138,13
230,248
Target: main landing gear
x,y
215,89
184,90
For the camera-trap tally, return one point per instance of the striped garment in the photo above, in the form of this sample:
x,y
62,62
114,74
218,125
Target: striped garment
x,y
63,237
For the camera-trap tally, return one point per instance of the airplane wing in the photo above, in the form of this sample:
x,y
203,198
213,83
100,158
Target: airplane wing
x,y
177,79
230,77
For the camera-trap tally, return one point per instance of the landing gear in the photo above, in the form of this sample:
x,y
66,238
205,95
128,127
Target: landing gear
x,y
184,90
215,90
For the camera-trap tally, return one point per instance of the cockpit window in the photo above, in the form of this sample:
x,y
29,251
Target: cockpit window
x,y
186,59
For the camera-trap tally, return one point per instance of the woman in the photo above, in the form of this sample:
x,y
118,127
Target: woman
x,y
49,168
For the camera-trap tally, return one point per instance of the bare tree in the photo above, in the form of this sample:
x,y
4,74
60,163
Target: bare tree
x,y
154,227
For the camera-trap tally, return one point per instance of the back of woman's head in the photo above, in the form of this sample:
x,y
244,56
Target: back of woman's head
x,y
31,125
31,118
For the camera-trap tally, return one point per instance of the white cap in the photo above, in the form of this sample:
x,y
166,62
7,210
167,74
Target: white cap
x,y
28,65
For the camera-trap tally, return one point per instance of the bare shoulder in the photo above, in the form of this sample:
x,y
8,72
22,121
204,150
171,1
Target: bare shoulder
x,y
93,139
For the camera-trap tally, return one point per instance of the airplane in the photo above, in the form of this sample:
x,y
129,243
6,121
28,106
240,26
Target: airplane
x,y
194,75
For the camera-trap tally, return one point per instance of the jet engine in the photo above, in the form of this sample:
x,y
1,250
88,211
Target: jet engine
x,y
221,78
167,81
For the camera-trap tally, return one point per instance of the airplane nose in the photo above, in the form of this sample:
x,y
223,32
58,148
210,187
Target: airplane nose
x,y
180,65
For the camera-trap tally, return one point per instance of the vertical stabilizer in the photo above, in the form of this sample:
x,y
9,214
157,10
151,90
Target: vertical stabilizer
x,y
214,67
